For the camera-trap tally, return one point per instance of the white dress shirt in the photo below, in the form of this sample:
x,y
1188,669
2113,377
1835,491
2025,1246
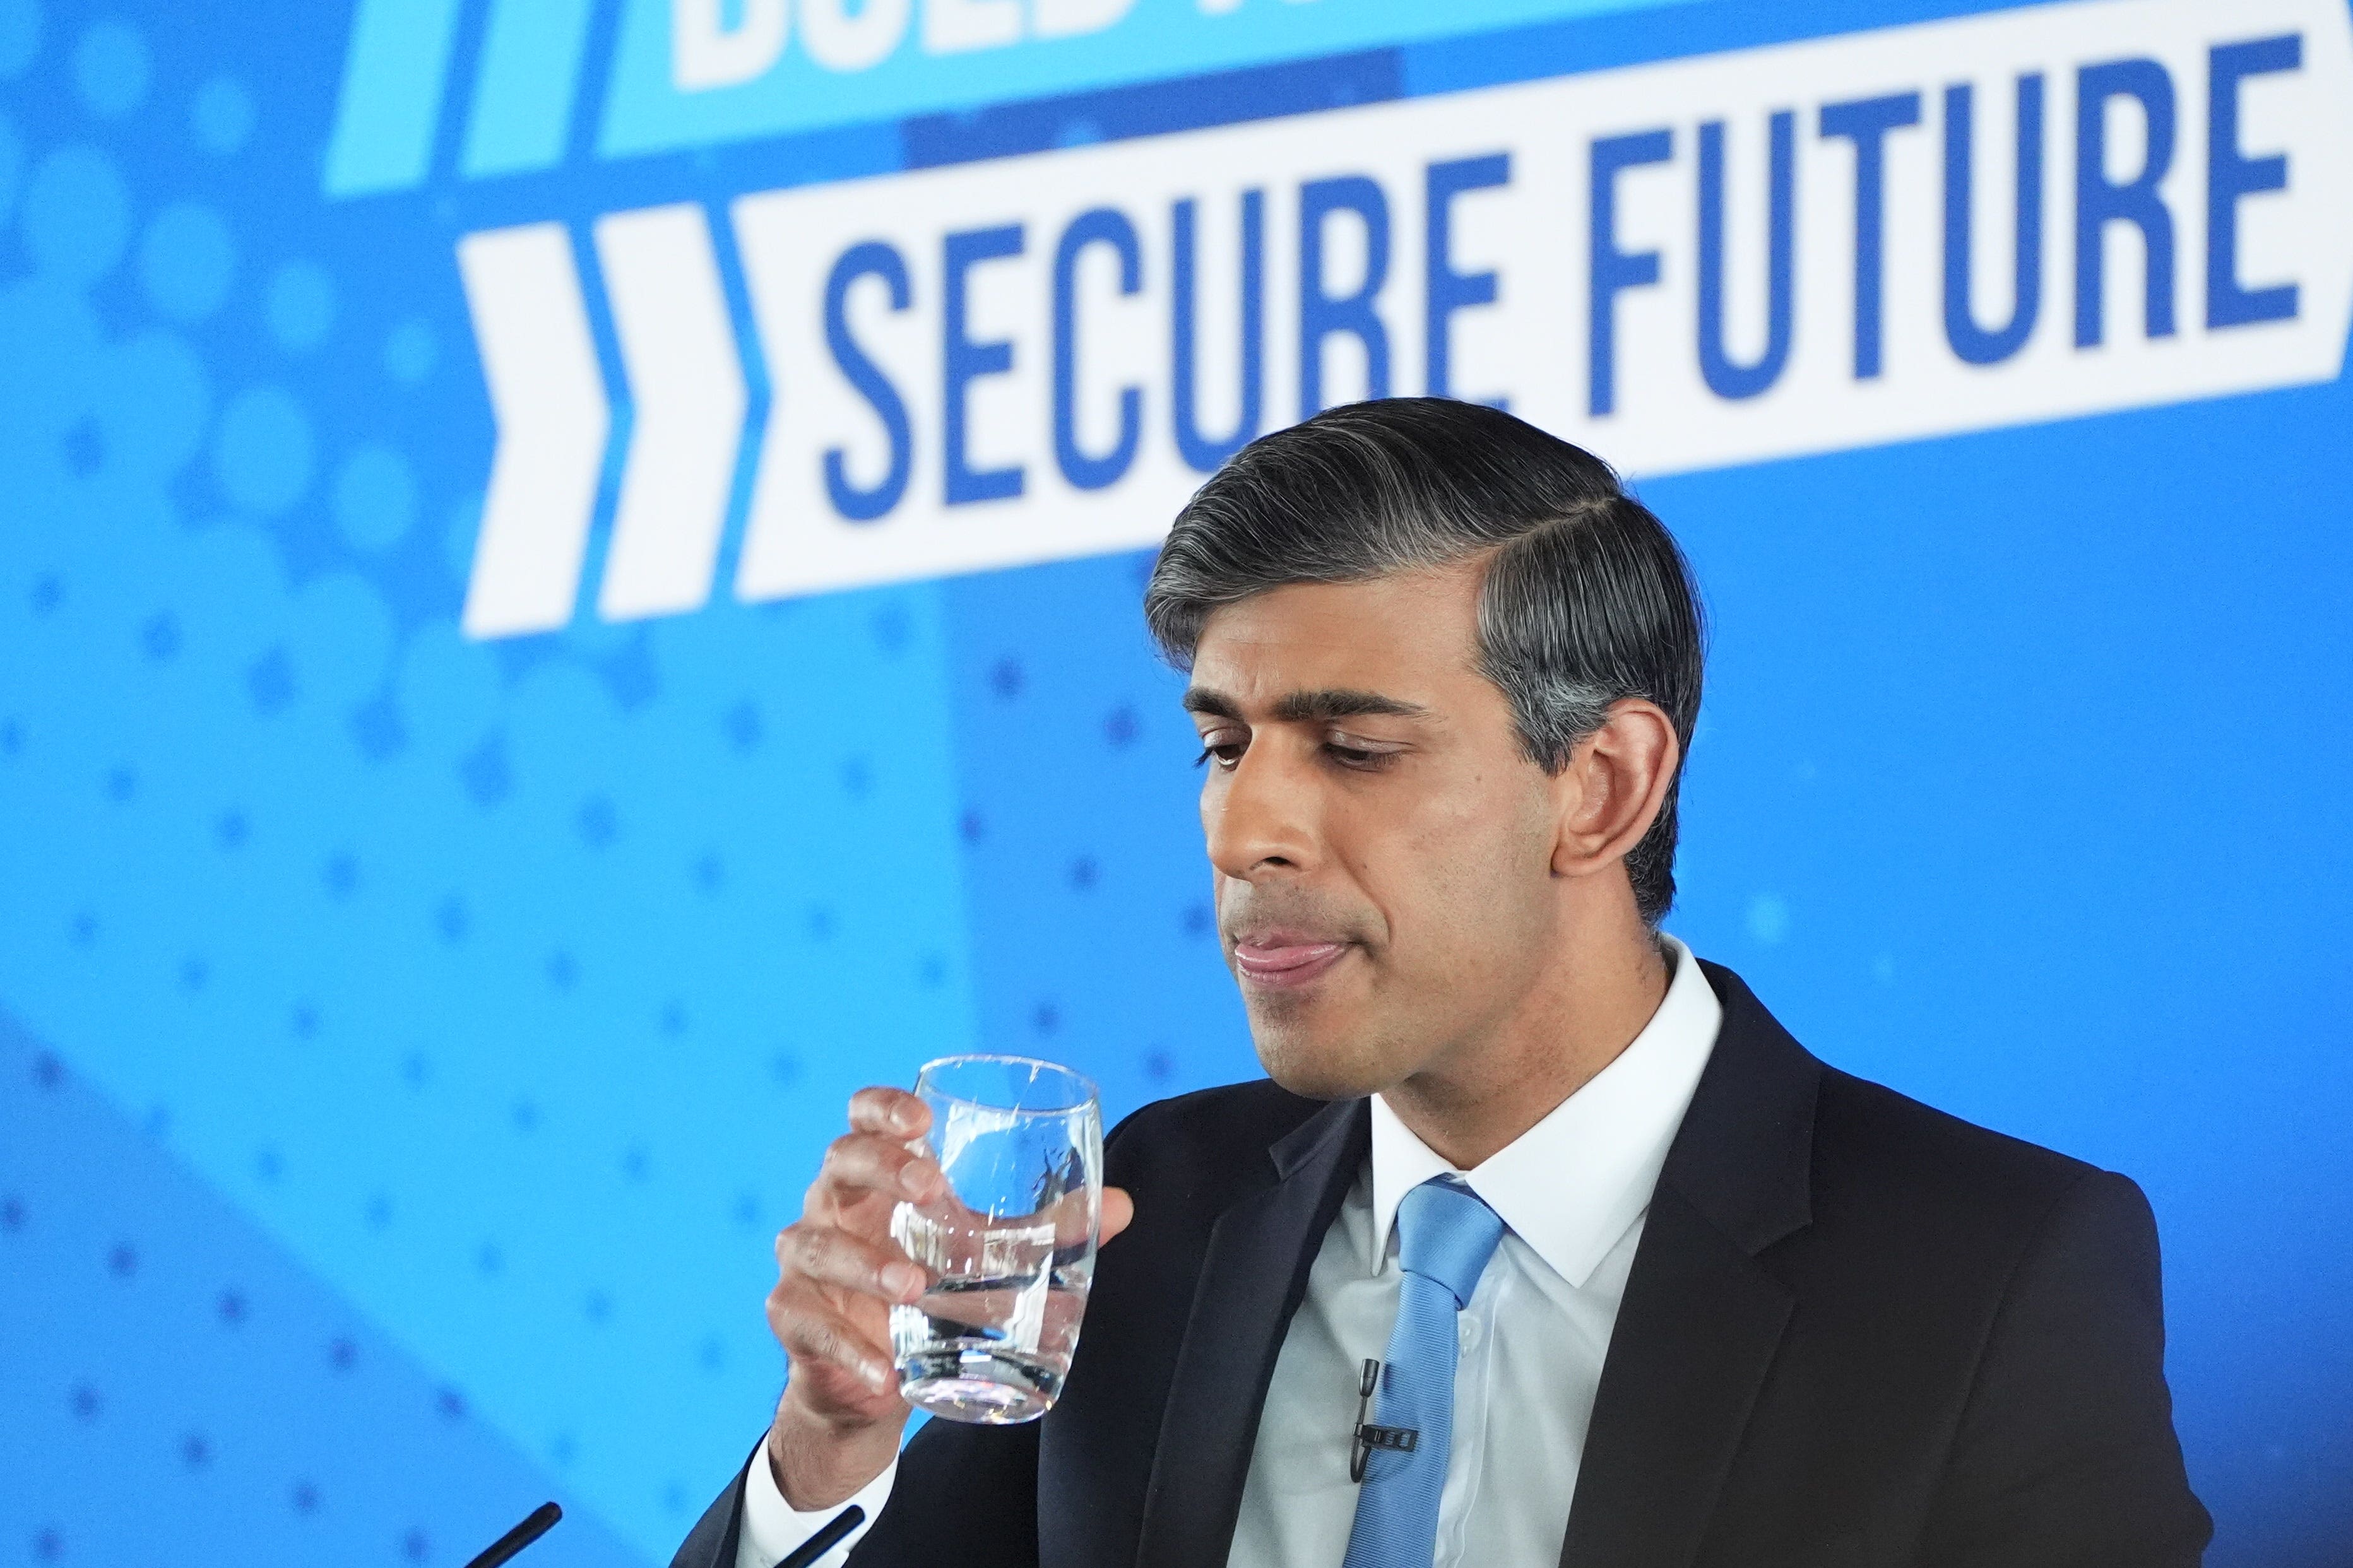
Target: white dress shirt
x,y
1572,1191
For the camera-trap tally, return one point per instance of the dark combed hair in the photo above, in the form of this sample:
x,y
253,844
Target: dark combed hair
x,y
1587,601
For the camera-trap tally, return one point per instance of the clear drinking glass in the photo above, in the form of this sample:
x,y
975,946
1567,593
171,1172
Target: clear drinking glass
x,y
1010,1246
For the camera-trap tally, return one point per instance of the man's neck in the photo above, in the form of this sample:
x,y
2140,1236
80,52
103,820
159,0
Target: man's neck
x,y
1482,1095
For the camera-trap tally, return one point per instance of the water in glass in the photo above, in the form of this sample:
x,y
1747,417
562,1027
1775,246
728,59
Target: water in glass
x,y
1010,1248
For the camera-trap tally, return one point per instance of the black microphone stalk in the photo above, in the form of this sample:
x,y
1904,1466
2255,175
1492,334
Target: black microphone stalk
x,y
541,1520
828,1534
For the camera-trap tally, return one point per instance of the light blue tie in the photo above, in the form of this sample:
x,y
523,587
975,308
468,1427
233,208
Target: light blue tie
x,y
1445,1236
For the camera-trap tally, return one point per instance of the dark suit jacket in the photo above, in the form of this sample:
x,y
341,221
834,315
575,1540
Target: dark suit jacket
x,y
1857,1331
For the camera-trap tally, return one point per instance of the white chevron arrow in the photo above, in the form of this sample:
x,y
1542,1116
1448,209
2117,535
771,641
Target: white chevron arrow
x,y
548,398
686,387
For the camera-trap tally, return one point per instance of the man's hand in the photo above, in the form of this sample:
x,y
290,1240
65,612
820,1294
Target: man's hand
x,y
838,1275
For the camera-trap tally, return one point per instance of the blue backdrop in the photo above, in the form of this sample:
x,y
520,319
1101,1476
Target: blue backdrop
x,y
410,1041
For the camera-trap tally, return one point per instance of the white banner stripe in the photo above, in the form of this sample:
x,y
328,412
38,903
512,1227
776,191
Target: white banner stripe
x,y
548,398
688,395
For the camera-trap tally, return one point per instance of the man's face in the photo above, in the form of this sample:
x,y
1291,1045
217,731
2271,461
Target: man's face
x,y
1381,847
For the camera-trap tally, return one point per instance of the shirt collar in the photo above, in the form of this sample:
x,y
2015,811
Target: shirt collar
x,y
1572,1185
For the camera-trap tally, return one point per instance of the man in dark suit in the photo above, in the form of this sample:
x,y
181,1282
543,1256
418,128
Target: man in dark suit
x,y
1650,1285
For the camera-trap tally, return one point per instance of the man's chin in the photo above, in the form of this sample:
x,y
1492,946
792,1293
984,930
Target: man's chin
x,y
1317,1064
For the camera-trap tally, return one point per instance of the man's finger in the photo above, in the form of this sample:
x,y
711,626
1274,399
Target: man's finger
x,y
813,1334
836,1257
859,1163
1118,1211
889,1113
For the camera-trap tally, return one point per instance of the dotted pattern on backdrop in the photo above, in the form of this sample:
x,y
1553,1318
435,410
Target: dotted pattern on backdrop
x,y
546,1027
241,1411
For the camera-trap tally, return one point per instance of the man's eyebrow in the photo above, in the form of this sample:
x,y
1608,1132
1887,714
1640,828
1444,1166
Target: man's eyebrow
x,y
1306,707
1314,707
1216,704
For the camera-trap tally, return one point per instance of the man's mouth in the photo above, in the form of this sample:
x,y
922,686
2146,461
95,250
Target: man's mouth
x,y
1285,960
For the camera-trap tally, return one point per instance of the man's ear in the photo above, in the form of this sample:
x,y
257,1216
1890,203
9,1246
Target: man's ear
x,y
1614,787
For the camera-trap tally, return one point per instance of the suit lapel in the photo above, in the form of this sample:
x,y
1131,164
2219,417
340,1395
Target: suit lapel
x,y
1252,1278
1697,1327
1701,1319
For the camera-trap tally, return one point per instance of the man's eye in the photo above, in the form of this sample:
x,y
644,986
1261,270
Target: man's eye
x,y
1363,759
1225,753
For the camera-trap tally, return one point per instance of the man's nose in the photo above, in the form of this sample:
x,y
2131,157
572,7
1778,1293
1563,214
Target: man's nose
x,y
1263,819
